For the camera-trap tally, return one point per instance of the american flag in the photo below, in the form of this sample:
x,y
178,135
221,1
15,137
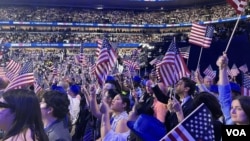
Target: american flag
x,y
135,54
55,71
155,70
131,65
37,87
77,58
210,72
11,75
2,72
112,55
234,70
92,69
102,69
172,67
82,57
4,49
197,126
25,76
244,68
184,51
99,47
156,60
238,5
245,89
201,35
13,67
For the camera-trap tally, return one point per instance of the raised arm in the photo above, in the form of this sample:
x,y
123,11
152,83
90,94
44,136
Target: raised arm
x,y
94,108
224,88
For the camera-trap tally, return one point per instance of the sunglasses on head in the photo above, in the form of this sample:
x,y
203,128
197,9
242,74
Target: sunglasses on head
x,y
4,105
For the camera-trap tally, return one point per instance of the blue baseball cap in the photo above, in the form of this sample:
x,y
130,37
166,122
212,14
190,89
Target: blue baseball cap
x,y
147,128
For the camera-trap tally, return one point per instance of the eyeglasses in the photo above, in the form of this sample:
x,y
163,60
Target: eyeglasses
x,y
4,105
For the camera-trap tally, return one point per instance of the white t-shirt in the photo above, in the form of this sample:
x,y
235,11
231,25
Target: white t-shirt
x,y
74,108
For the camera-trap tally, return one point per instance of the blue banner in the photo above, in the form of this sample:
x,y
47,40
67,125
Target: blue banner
x,y
75,24
65,45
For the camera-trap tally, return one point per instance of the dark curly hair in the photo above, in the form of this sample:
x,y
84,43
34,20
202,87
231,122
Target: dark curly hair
x,y
58,101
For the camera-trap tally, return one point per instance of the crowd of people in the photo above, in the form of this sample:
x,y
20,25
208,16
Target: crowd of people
x,y
69,107
129,106
222,32
64,101
60,34
76,38
42,14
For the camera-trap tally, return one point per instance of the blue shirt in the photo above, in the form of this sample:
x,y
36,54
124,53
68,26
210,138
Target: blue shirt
x,y
225,99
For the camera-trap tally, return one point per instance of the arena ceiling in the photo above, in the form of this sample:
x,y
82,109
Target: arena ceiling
x,y
114,4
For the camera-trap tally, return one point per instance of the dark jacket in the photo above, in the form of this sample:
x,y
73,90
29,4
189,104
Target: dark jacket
x,y
58,131
171,119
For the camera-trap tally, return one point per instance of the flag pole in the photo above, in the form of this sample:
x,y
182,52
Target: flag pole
x,y
198,64
81,53
237,22
131,80
187,61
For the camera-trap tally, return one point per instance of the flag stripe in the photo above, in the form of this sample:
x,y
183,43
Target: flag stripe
x,y
245,89
185,51
210,72
106,60
234,70
243,68
13,67
172,67
2,72
24,77
201,35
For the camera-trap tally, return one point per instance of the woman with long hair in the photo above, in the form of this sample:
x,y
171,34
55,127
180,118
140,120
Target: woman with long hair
x,y
20,116
240,110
